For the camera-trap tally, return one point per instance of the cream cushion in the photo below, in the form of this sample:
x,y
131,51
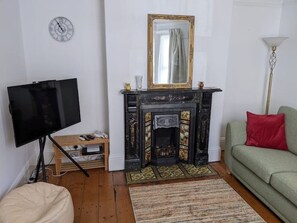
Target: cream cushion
x,y
37,203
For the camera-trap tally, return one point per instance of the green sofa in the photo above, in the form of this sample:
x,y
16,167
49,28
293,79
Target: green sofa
x,y
270,174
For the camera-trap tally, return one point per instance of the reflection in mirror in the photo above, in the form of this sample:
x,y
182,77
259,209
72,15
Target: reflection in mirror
x,y
170,47
170,51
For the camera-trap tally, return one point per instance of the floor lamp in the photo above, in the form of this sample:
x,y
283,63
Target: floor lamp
x,y
272,43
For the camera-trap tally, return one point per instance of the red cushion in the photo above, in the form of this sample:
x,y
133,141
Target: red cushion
x,y
266,131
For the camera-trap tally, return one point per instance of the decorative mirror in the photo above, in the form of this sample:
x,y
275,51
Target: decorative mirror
x,y
170,51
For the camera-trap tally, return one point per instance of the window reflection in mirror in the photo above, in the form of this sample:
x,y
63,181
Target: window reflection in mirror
x,y
170,51
170,46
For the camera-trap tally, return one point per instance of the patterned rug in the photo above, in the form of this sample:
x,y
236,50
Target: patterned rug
x,y
192,201
158,173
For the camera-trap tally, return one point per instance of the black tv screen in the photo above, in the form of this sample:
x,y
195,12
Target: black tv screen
x,y
42,108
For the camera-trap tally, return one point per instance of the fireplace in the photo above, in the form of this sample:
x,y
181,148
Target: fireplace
x,y
164,127
166,136
165,139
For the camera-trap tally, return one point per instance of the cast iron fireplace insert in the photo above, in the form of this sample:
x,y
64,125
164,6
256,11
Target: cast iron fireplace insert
x,y
165,139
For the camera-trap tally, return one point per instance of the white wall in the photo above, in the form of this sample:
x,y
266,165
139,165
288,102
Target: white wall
x,y
284,89
83,57
13,161
248,58
126,45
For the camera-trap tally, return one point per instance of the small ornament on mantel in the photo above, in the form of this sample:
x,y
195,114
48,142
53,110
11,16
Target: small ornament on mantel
x,y
127,86
201,85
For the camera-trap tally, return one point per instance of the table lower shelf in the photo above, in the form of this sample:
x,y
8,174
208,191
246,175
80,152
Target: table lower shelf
x,y
84,164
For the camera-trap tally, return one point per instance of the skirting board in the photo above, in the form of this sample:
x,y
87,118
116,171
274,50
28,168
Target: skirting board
x,y
23,175
116,162
26,171
214,154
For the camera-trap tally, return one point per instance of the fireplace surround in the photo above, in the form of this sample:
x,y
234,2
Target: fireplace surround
x,y
164,127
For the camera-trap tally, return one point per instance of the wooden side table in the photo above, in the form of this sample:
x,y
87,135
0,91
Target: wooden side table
x,y
72,140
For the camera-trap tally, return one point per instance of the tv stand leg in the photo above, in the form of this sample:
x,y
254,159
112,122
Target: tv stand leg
x,y
41,160
69,157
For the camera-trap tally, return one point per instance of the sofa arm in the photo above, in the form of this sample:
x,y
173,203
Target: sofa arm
x,y
235,135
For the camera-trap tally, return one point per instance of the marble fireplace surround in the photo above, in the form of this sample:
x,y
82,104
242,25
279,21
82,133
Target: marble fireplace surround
x,y
192,109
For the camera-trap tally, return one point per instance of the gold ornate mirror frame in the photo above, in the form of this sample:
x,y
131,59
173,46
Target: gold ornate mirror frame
x,y
186,37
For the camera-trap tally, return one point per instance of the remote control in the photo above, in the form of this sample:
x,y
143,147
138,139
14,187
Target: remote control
x,y
82,138
90,136
85,137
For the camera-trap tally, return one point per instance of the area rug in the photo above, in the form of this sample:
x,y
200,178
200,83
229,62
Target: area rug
x,y
210,200
158,173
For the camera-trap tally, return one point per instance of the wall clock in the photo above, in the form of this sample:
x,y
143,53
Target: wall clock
x,y
61,29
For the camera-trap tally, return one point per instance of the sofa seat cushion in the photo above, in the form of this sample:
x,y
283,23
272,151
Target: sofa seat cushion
x,y
286,184
265,162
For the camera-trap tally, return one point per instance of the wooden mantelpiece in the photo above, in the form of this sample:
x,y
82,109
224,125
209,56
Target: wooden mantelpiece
x,y
192,106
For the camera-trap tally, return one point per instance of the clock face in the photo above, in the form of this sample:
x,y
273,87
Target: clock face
x,y
61,29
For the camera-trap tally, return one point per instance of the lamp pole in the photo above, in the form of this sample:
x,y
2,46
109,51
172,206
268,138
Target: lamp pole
x,y
272,63
272,43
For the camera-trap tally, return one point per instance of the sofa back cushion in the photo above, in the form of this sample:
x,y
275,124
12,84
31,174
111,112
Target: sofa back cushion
x,y
291,127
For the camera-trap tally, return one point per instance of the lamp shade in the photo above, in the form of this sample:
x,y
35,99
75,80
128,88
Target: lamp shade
x,y
274,41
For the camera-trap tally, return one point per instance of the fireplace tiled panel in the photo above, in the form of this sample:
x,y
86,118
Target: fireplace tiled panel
x,y
143,108
147,137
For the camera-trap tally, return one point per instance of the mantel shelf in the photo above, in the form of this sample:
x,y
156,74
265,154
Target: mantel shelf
x,y
144,91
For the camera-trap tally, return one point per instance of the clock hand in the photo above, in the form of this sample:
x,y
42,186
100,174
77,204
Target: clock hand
x,y
60,26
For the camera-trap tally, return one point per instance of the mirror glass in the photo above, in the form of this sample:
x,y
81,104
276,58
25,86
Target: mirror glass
x,y
170,51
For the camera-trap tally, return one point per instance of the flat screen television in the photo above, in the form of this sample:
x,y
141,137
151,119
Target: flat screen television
x,y
42,108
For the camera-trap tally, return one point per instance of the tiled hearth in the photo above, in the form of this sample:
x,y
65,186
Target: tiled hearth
x,y
166,127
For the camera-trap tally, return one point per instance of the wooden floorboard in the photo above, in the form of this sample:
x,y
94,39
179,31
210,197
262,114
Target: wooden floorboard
x,y
75,183
107,202
90,204
104,196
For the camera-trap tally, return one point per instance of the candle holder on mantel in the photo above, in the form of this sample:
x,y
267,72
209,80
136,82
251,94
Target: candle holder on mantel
x,y
127,86
201,85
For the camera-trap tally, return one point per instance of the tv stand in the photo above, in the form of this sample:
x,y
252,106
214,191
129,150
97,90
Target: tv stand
x,y
68,156
74,140
40,162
